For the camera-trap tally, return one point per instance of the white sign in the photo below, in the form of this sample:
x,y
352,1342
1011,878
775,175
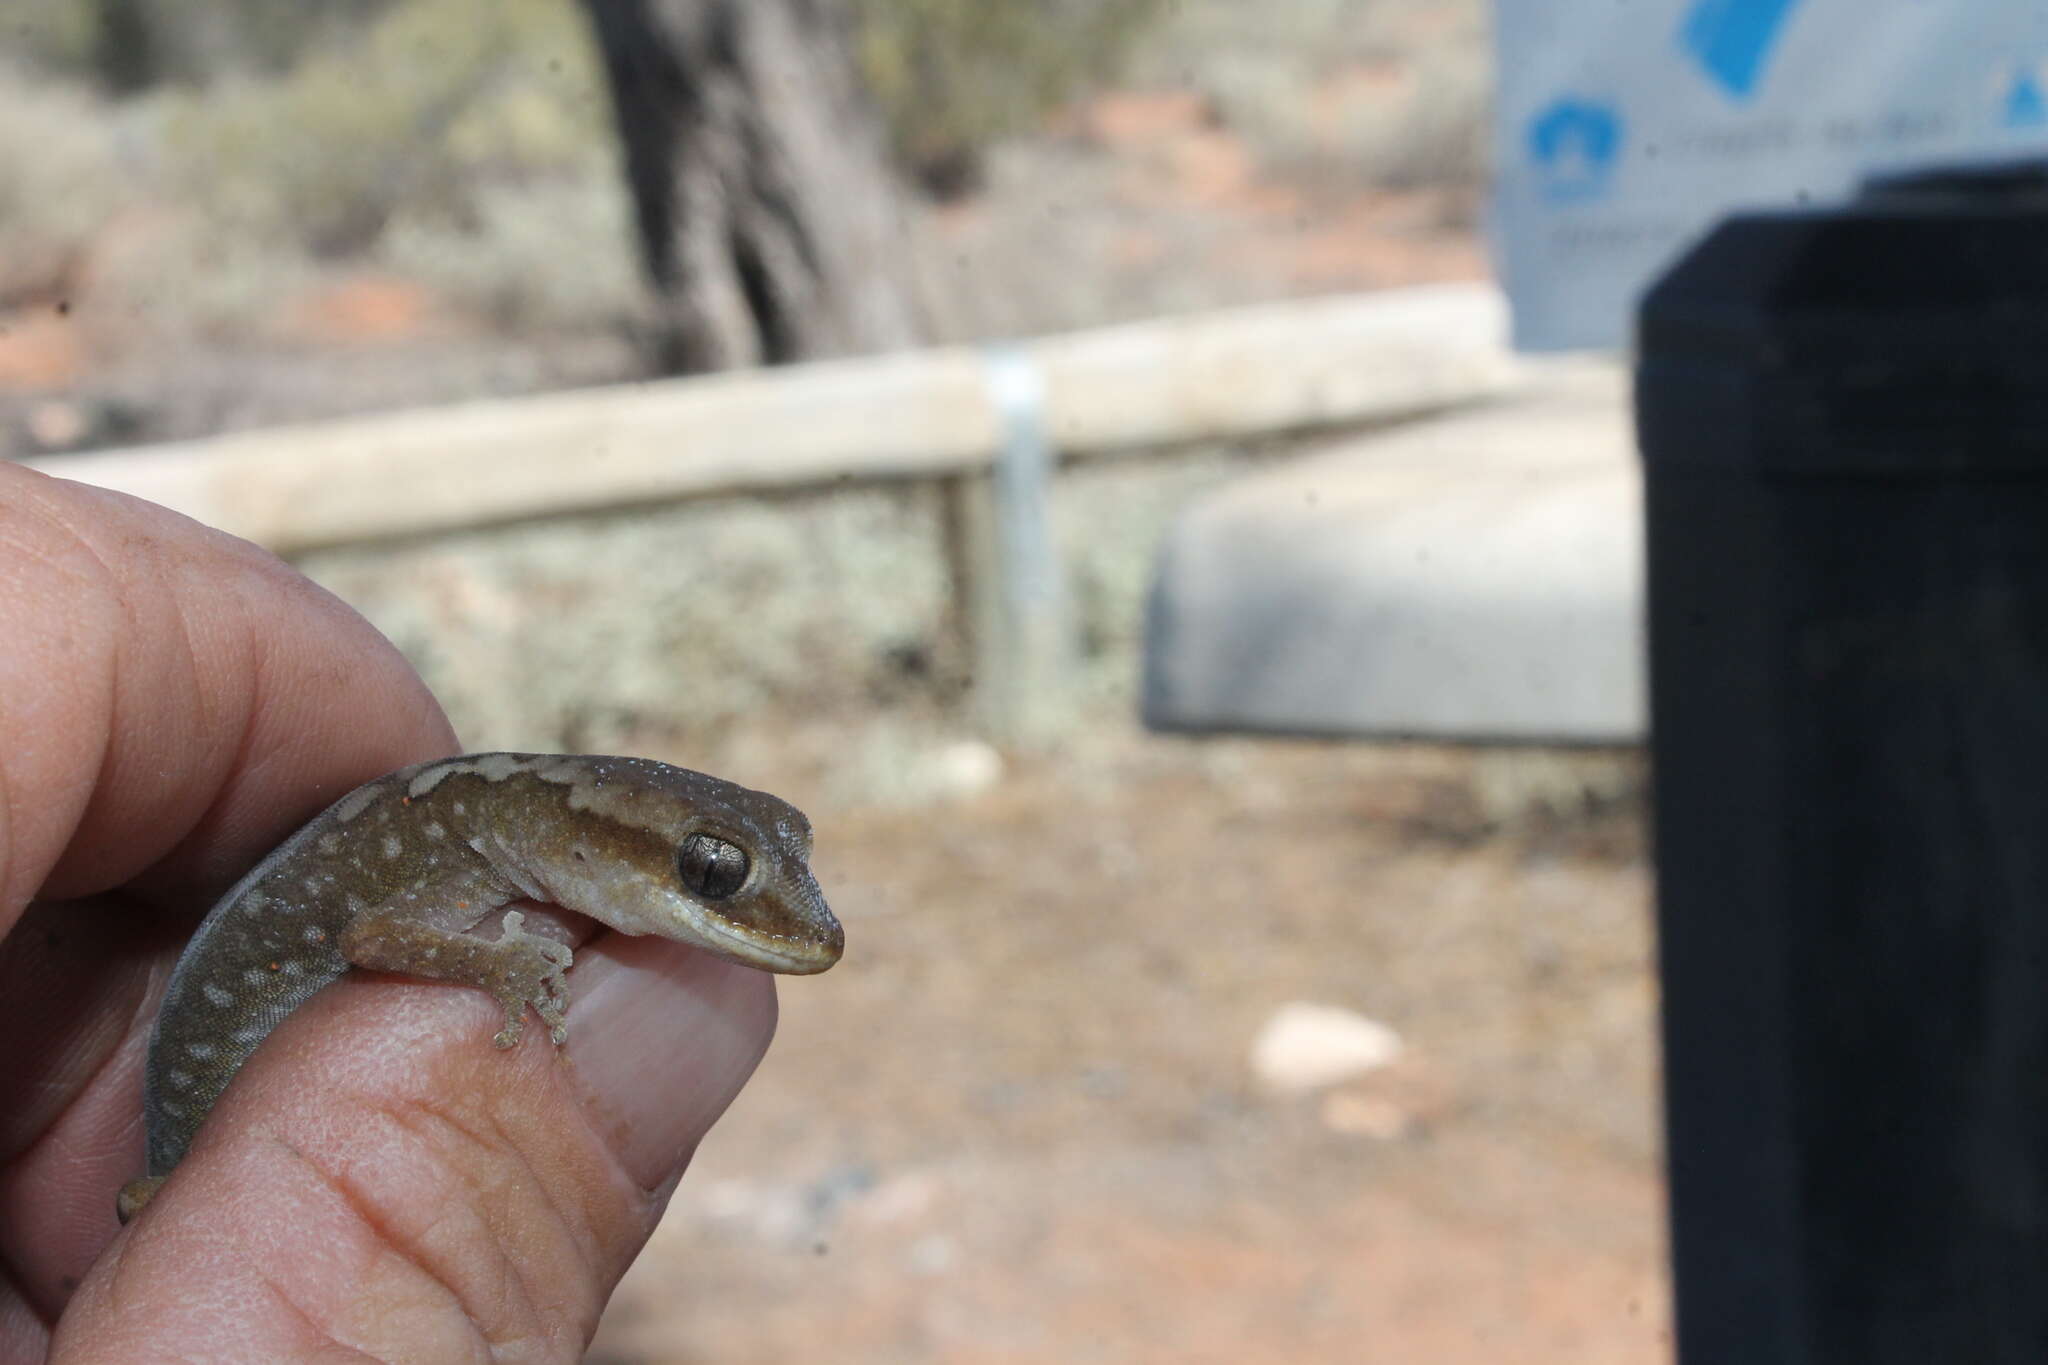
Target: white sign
x,y
1627,128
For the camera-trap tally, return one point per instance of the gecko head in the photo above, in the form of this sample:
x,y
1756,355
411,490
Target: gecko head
x,y
752,897
653,849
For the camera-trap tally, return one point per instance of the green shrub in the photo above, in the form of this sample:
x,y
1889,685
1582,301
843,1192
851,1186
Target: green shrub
x,y
954,75
1387,94
413,116
506,264
53,36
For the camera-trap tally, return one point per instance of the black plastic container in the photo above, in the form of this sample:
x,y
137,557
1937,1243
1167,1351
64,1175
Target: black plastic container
x,y
1844,424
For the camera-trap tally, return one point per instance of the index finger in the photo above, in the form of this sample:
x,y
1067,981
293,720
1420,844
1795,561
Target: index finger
x,y
173,700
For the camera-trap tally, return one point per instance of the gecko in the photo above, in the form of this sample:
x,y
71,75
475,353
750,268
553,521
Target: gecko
x,y
393,876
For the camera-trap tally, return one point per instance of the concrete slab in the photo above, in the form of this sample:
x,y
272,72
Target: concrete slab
x,y
1475,576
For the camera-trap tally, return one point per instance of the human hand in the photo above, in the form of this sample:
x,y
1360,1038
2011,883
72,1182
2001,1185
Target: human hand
x,y
378,1179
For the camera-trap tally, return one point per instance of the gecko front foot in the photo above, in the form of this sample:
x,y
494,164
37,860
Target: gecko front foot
x,y
530,969
518,968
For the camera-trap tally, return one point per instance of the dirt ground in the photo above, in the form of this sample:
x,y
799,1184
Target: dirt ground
x,y
1019,1123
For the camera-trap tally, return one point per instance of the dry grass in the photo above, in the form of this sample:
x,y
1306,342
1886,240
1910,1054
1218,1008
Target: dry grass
x,y
1385,94
60,184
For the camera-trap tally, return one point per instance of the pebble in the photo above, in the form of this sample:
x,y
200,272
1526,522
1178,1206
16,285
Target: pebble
x,y
1304,1046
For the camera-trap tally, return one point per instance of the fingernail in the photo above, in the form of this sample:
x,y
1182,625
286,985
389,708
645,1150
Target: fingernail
x,y
662,1037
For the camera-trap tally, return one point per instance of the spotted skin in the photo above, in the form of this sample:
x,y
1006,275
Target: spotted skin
x,y
394,874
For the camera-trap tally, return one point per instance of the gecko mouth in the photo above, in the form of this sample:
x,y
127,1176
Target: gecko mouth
x,y
789,956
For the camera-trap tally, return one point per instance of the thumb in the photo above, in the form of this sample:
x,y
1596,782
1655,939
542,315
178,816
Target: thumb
x,y
380,1179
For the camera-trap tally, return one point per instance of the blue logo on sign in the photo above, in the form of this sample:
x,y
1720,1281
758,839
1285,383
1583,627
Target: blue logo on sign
x,y
1732,39
1575,145
2024,105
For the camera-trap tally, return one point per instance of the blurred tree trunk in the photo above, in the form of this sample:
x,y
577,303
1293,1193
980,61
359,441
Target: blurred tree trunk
x,y
126,50
769,219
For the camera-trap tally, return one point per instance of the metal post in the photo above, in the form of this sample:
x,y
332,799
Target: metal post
x,y
1015,596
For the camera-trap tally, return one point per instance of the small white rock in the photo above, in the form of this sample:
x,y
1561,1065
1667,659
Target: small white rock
x,y
1305,1046
965,767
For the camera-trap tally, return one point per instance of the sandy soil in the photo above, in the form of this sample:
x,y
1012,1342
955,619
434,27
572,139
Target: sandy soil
x,y
1019,1122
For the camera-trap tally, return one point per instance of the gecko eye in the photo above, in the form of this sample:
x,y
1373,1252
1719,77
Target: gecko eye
x,y
711,867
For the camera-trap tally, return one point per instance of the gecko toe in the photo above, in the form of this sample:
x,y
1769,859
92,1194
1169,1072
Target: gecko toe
x,y
136,1193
